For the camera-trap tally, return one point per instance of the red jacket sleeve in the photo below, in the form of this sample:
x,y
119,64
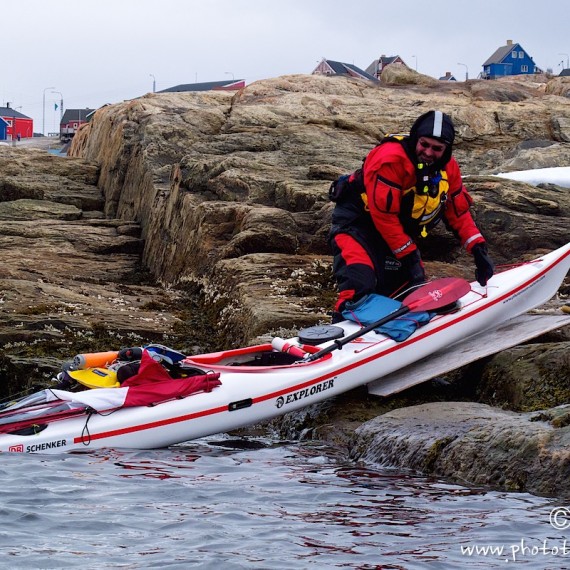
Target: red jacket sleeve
x,y
386,174
457,208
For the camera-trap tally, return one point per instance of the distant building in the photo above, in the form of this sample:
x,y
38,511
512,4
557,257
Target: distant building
x,y
71,121
510,59
232,85
564,73
18,126
447,77
378,65
329,67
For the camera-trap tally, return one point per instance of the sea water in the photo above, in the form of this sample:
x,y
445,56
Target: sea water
x,y
222,504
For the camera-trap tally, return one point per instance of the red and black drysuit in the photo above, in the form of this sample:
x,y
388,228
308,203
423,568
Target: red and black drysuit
x,y
383,208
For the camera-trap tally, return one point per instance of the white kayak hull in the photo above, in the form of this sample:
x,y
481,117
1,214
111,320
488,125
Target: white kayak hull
x,y
486,343
250,394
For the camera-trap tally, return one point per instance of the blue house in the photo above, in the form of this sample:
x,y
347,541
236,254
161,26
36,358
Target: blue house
x,y
3,127
510,59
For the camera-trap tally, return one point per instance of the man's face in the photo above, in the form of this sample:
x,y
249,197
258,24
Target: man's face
x,y
429,150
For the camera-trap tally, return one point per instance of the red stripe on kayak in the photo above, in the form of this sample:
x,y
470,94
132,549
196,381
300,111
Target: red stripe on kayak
x,y
150,425
317,380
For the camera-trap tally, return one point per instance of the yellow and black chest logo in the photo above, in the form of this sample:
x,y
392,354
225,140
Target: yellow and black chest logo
x,y
425,204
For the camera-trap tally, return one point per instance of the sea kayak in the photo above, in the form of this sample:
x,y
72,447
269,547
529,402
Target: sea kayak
x,y
256,383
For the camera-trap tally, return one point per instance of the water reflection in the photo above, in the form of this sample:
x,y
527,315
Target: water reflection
x,y
250,503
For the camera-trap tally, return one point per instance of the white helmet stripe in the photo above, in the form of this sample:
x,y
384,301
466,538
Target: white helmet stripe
x,y
437,123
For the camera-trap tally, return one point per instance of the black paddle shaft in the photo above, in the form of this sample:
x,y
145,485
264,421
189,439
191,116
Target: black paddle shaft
x,y
429,297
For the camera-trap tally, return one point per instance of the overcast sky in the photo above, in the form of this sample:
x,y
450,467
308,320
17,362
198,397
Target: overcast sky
x,y
93,52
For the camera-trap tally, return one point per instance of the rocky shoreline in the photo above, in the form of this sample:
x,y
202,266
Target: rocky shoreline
x,y
198,220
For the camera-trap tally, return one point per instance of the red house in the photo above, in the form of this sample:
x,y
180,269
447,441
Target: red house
x,y
72,119
377,66
18,126
330,67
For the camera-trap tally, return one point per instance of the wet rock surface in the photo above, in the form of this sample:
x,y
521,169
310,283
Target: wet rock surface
x,y
476,443
71,280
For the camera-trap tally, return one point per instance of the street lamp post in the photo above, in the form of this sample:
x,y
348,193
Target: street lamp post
x,y
60,110
153,83
567,59
44,111
60,105
466,71
416,58
229,73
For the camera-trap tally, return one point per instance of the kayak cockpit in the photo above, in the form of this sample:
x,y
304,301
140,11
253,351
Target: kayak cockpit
x,y
280,353
253,357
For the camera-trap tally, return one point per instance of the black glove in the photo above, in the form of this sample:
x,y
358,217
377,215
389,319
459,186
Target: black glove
x,y
412,263
483,263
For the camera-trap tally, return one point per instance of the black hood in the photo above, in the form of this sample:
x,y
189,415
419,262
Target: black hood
x,y
435,125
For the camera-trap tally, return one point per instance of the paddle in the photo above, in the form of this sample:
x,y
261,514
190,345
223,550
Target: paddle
x,y
428,297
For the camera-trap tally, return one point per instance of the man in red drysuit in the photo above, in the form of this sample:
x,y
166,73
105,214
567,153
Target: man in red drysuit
x,y
406,186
